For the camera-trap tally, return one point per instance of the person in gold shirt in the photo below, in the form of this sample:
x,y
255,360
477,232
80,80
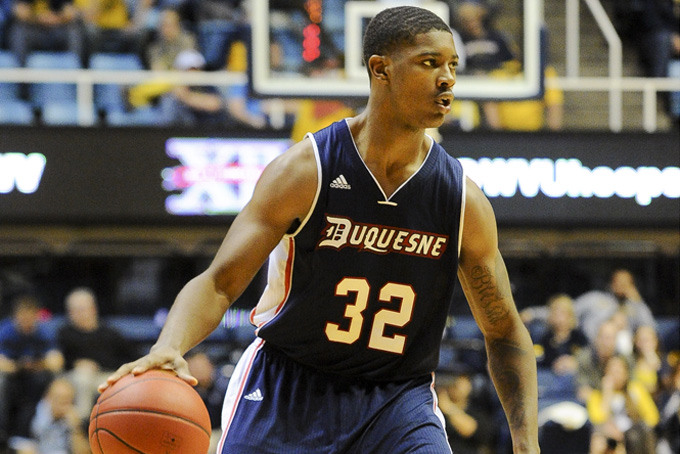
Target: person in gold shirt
x,y
622,410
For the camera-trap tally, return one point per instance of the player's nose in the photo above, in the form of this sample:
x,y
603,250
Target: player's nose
x,y
447,77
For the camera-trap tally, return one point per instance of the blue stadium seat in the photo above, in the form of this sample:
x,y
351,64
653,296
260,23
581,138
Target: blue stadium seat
x,y
8,90
60,113
109,97
147,116
15,112
214,41
43,93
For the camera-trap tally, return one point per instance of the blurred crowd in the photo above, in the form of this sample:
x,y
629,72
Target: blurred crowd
x,y
608,382
214,35
609,379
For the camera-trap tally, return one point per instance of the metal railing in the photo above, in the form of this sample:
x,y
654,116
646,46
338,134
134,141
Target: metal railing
x,y
649,87
615,83
573,35
86,79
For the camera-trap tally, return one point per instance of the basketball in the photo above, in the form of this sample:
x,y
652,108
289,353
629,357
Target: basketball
x,y
152,413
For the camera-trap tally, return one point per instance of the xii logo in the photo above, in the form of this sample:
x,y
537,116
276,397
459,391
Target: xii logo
x,y
216,176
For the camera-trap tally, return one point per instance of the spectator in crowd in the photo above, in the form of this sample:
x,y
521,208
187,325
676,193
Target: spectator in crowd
x,y
56,426
563,339
467,425
44,25
650,365
28,361
170,41
111,27
198,105
488,52
486,48
594,307
91,349
669,424
624,333
623,410
219,24
212,384
593,359
623,295
242,109
161,54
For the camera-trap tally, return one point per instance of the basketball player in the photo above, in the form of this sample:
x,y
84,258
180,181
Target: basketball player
x,y
366,222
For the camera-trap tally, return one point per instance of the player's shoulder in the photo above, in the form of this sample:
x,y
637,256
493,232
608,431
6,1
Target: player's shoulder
x,y
296,167
299,157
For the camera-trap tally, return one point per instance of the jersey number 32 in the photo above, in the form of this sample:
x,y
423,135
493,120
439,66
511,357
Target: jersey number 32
x,y
378,340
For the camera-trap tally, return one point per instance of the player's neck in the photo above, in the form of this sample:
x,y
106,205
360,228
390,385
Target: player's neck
x,y
382,142
392,160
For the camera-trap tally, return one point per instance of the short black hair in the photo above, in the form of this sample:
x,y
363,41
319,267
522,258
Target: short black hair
x,y
25,301
397,26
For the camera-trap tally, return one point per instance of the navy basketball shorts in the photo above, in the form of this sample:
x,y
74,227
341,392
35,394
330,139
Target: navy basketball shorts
x,y
274,405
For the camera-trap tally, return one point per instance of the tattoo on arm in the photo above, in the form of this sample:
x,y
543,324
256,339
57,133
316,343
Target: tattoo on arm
x,y
503,357
490,296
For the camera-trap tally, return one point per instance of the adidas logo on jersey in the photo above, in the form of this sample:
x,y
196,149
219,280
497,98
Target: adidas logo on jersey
x,y
340,183
255,396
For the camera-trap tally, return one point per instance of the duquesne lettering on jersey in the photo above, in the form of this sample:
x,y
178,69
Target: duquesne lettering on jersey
x,y
342,232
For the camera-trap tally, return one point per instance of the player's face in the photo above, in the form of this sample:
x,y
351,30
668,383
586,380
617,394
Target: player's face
x,y
422,79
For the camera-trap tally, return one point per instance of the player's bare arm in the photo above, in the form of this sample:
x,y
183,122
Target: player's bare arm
x,y
485,282
284,194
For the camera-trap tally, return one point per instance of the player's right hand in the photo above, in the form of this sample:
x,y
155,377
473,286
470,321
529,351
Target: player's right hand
x,y
158,358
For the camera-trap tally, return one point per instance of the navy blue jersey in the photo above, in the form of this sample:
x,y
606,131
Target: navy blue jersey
x,y
362,288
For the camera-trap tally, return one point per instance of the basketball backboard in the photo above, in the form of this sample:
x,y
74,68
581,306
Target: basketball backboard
x,y
312,48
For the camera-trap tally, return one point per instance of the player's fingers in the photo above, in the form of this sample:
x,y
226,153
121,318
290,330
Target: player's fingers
x,y
152,361
187,377
117,375
136,367
181,368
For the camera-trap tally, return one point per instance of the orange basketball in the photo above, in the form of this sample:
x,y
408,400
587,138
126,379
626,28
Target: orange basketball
x,y
152,413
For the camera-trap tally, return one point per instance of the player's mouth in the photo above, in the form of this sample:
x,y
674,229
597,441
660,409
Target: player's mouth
x,y
444,101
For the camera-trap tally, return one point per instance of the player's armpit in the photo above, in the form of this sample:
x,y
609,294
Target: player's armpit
x,y
283,195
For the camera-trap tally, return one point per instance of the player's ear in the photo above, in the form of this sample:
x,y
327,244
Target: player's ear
x,y
377,65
